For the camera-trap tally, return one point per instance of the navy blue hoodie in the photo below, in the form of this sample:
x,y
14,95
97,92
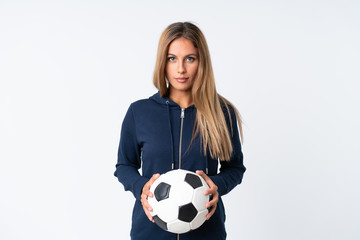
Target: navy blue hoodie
x,y
150,140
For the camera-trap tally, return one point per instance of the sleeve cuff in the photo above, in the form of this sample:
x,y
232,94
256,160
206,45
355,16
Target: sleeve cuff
x,y
219,182
138,186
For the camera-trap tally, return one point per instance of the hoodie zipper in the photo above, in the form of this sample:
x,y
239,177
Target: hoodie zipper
x,y
182,116
181,130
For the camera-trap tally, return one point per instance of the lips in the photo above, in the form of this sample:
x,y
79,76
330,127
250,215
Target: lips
x,y
181,80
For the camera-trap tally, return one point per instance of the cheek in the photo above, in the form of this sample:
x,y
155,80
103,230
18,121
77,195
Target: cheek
x,y
194,70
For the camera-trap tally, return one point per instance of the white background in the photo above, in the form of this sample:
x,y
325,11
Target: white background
x,y
70,69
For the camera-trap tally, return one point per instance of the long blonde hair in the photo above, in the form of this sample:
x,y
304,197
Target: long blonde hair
x,y
210,121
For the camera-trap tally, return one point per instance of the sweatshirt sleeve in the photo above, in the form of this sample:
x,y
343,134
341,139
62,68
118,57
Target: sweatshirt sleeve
x,y
128,160
231,172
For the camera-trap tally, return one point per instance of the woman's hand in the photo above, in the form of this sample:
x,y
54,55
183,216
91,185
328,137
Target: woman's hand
x,y
212,190
145,194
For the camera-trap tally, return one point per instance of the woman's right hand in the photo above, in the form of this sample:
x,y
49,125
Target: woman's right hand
x,y
146,193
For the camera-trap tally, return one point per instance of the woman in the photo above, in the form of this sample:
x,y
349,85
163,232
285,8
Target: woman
x,y
186,125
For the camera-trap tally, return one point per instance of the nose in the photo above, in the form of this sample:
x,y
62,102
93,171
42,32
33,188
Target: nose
x,y
181,67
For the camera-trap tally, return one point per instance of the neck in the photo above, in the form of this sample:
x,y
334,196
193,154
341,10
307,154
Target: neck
x,y
182,98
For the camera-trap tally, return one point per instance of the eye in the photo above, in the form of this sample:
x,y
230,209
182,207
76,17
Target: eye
x,y
190,59
171,59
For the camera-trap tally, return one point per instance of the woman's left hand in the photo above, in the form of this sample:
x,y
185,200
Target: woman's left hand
x,y
212,190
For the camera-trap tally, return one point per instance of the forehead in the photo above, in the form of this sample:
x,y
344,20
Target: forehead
x,y
182,46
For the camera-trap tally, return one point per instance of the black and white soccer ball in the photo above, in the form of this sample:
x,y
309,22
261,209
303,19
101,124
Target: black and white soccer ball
x,y
179,201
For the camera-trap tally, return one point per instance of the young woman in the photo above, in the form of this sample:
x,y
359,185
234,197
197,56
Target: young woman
x,y
185,125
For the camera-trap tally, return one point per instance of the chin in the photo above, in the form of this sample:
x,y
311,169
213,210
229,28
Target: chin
x,y
181,87
187,89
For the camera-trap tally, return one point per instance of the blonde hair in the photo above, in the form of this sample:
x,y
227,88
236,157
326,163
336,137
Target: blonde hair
x,y
210,121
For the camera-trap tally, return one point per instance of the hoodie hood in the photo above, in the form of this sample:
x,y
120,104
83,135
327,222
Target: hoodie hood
x,y
165,101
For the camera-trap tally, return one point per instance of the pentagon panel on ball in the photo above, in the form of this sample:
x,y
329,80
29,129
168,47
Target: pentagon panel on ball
x,y
193,180
162,191
179,201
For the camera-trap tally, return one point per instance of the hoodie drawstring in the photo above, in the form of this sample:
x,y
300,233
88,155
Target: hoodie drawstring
x,y
171,136
206,166
205,161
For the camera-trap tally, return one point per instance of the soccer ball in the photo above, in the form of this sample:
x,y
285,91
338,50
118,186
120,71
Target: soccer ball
x,y
179,201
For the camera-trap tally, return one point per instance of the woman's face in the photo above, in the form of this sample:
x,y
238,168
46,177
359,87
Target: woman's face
x,y
182,65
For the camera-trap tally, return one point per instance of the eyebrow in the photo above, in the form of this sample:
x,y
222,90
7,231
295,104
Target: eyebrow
x,y
185,56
